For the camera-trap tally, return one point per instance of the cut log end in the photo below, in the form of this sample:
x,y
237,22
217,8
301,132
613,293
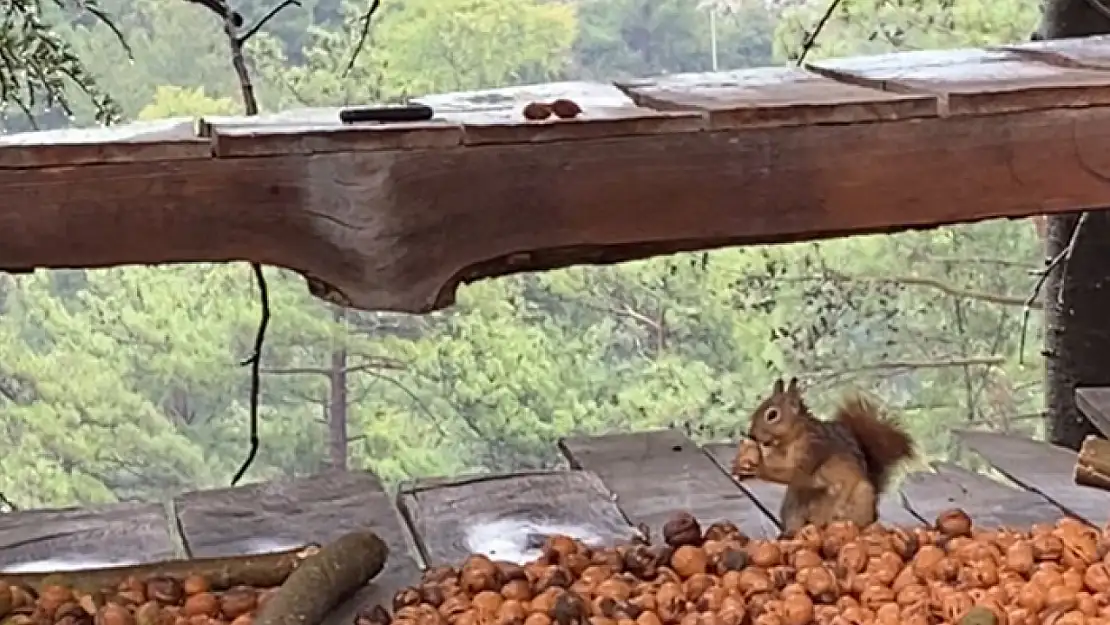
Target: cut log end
x,y
1092,466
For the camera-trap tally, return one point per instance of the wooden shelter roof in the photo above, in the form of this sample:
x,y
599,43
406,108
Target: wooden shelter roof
x,y
393,217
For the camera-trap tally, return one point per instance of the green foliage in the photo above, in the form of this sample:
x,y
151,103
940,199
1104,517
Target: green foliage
x,y
170,101
128,383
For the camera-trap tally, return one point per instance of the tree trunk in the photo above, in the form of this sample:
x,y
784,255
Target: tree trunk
x,y
337,401
1077,336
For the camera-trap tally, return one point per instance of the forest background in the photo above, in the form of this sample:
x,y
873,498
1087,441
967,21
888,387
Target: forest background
x,y
126,383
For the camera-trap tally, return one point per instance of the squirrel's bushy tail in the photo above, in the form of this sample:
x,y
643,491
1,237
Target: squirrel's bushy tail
x,y
883,442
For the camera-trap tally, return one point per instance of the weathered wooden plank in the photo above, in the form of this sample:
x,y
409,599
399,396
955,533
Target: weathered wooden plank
x,y
55,540
769,495
266,517
399,230
1094,403
656,474
149,141
1043,468
507,516
1089,52
989,503
975,82
775,96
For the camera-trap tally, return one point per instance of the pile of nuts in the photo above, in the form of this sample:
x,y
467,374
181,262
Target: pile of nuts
x,y
838,575
155,601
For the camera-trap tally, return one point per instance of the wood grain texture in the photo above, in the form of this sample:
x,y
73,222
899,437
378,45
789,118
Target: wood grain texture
x,y
775,96
259,518
1094,403
975,82
987,502
119,534
399,230
145,141
656,474
1042,468
891,510
1085,52
507,517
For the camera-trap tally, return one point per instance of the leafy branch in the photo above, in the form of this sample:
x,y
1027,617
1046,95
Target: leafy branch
x,y
37,65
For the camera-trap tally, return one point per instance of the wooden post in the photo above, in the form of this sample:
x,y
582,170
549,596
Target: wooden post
x,y
1077,338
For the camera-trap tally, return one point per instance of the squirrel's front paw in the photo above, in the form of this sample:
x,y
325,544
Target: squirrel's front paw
x,y
747,460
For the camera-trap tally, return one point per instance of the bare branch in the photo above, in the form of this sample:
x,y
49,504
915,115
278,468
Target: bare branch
x,y
235,42
381,364
362,36
932,283
1061,261
253,30
906,365
811,38
8,503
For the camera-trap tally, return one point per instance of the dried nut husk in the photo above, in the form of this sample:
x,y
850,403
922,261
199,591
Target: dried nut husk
x,y
682,529
764,553
238,601
165,590
112,614
203,604
953,523
688,561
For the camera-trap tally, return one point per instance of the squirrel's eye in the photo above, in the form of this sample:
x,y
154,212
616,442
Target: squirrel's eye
x,y
771,415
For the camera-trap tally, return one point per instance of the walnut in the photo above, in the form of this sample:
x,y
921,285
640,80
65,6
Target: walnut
x,y
537,111
682,530
952,523
565,109
165,590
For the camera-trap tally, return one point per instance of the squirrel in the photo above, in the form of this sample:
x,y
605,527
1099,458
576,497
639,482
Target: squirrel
x,y
834,470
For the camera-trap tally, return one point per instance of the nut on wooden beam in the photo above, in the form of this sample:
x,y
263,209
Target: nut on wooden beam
x,y
1092,467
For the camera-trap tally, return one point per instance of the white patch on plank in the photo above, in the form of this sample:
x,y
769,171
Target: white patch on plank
x,y
520,540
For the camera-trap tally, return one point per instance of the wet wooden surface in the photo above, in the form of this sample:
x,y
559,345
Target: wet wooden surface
x,y
1042,469
614,482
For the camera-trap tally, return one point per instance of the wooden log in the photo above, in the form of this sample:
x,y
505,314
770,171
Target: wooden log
x,y
325,580
1092,465
259,571
395,217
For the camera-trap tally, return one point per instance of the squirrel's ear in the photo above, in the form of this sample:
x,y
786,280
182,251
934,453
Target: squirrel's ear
x,y
777,388
792,388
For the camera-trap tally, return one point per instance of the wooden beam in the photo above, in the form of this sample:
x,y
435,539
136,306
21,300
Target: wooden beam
x,y
395,217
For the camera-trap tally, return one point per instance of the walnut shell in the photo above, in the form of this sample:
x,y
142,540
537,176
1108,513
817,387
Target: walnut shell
x,y
682,529
688,561
202,604
954,523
